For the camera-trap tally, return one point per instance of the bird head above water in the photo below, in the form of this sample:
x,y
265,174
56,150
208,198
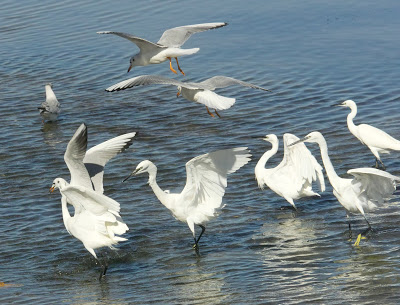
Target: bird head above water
x,y
58,183
272,138
145,166
312,137
347,103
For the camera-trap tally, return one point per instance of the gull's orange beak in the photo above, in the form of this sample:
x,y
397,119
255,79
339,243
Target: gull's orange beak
x,y
130,67
177,95
51,190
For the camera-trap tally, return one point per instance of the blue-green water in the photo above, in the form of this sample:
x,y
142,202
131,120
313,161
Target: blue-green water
x,y
311,54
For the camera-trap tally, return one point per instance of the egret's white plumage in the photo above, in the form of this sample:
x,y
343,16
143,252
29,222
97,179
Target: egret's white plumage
x,y
167,47
205,185
201,92
363,193
292,179
375,139
50,108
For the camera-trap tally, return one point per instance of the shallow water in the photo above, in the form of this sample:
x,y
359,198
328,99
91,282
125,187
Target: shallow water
x,y
312,55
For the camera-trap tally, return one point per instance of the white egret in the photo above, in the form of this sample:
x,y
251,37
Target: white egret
x,y
292,179
205,186
50,108
375,139
96,222
360,194
167,47
201,92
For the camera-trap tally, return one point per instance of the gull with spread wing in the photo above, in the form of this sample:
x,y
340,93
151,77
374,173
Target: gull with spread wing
x,y
363,193
168,47
205,186
201,92
292,179
50,108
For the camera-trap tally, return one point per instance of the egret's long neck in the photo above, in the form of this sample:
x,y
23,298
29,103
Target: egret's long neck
x,y
160,194
350,123
330,171
260,167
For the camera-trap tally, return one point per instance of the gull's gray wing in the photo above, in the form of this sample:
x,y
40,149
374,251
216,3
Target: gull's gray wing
x,y
224,81
144,80
176,37
143,44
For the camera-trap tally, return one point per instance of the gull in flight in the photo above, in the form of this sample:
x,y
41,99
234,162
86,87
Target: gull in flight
x,y
363,193
201,198
97,219
50,108
201,92
375,139
293,177
167,47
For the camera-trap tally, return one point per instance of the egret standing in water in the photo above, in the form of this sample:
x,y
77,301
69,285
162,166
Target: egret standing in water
x,y
293,177
50,108
360,194
375,139
205,186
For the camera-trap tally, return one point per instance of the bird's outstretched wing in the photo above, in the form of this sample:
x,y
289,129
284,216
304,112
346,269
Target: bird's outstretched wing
x,y
213,100
374,183
225,81
98,156
144,80
207,178
74,154
176,37
143,44
302,165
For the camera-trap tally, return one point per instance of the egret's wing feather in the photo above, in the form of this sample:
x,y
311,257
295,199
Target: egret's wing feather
x,y
98,156
144,80
224,81
176,37
74,154
207,177
373,183
213,100
143,44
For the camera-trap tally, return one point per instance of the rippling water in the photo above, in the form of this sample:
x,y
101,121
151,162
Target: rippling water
x,y
310,54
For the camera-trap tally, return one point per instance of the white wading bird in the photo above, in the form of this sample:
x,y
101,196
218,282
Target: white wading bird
x,y
50,108
375,139
87,168
293,177
205,186
167,47
360,194
201,92
96,221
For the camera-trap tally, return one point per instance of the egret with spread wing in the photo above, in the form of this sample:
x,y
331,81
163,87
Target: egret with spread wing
x,y
205,186
375,139
292,179
201,92
363,193
167,47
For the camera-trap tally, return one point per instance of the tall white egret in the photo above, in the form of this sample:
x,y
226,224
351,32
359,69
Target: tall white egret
x,y
96,222
375,139
50,108
201,92
292,179
205,186
167,47
360,194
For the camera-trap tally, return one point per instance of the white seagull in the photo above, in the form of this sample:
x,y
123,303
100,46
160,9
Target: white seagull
x,y
167,47
375,139
361,194
205,186
292,179
96,222
201,92
50,108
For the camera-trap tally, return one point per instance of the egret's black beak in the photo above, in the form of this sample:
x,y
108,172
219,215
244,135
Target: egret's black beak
x,y
338,105
132,174
298,141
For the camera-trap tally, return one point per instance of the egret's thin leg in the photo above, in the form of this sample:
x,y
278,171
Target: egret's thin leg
x,y
176,58
203,228
383,165
357,243
104,267
170,66
208,110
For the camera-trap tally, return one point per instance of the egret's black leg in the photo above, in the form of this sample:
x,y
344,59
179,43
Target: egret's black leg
x,y
357,243
203,228
383,165
348,221
104,267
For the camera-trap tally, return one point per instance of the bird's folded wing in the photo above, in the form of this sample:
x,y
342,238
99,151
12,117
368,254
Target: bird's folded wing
x,y
143,44
213,100
176,37
74,154
207,177
98,156
89,200
375,184
144,80
224,81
